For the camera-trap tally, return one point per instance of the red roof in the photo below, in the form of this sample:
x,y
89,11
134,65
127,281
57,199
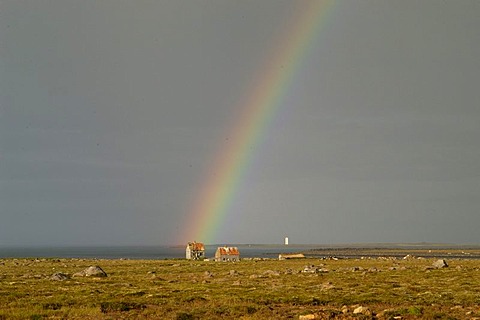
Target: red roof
x,y
196,246
228,251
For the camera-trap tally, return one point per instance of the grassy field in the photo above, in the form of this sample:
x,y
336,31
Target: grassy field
x,y
388,288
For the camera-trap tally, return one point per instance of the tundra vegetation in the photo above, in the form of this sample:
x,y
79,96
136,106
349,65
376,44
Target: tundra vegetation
x,y
367,288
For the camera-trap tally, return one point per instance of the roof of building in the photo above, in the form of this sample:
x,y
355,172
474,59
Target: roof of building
x,y
196,246
228,251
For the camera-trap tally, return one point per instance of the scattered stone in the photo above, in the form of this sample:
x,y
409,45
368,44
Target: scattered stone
x,y
59,276
289,271
271,273
362,310
208,274
236,283
357,269
440,264
327,286
307,317
92,271
386,314
345,309
309,269
233,273
314,269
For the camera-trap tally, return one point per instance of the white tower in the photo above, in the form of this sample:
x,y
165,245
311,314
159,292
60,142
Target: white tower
x,y
286,241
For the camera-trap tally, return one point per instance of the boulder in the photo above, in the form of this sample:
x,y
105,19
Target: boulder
x,y
362,310
440,264
270,273
59,276
92,271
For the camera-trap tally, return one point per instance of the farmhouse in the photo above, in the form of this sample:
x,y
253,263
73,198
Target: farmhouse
x,y
195,251
227,254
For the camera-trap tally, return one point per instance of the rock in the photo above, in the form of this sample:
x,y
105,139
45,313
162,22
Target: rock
x,y
309,269
362,310
271,273
233,273
289,271
92,271
327,286
314,269
208,274
59,276
307,317
440,264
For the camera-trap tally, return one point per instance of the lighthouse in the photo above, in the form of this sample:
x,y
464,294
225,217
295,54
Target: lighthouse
x,y
286,241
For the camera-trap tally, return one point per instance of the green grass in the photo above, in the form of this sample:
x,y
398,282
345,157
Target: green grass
x,y
270,289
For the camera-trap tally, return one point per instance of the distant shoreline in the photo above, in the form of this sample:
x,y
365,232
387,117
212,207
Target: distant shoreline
x,y
398,250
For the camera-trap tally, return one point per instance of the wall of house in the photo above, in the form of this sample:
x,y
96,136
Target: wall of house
x,y
220,257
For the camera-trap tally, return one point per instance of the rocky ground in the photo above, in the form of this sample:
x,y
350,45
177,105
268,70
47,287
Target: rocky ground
x,y
374,284
445,252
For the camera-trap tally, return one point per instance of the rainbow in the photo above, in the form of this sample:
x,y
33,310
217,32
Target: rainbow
x,y
231,163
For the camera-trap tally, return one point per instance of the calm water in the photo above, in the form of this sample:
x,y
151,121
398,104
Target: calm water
x,y
169,252
139,252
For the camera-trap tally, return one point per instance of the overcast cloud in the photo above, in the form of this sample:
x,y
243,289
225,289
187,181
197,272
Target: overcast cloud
x,y
111,111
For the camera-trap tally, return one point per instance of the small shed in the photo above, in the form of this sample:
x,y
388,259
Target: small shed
x,y
286,256
195,251
227,254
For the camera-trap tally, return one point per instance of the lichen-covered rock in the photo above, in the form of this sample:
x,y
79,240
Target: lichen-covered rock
x,y
362,310
92,271
440,264
59,276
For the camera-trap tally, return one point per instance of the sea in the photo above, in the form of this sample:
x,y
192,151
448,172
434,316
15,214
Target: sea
x,y
246,251
142,252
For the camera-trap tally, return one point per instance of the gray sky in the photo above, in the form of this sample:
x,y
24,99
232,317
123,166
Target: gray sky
x,y
112,111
